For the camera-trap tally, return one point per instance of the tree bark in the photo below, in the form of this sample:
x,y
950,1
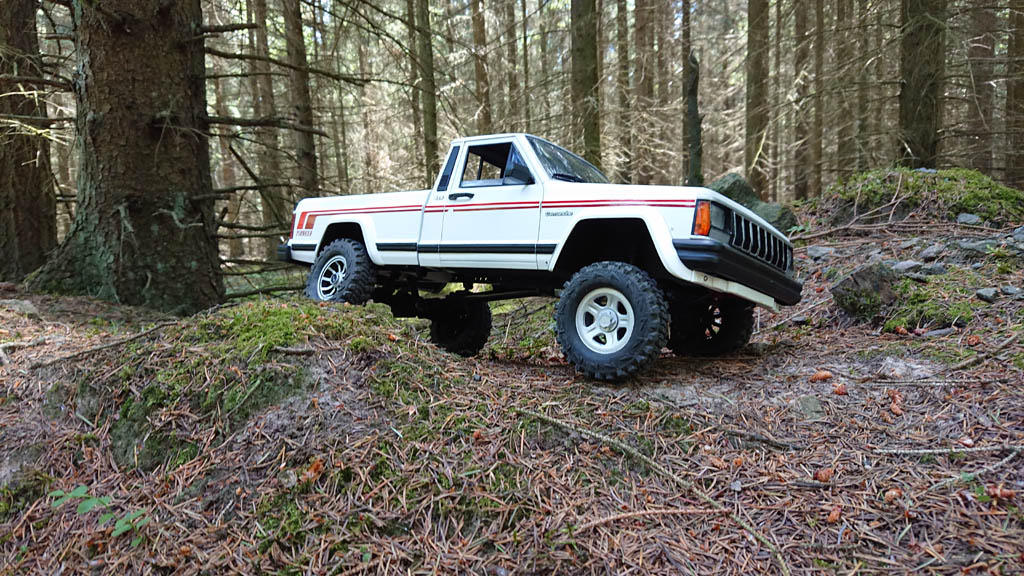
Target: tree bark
x,y
625,165
817,136
755,157
688,58
584,78
527,116
483,84
28,209
302,103
981,54
643,37
776,120
922,68
1015,98
226,177
144,230
694,174
512,62
846,154
863,142
414,91
802,158
429,93
273,201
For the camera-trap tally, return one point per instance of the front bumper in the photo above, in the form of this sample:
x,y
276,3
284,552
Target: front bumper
x,y
724,261
284,253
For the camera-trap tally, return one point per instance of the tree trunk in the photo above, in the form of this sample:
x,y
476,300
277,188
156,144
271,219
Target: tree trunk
x,y
980,56
688,58
846,153
305,145
817,136
625,165
483,84
429,93
755,158
226,171
776,121
511,41
527,120
922,67
642,135
414,92
863,128
273,201
1015,99
694,174
584,78
144,231
802,157
28,209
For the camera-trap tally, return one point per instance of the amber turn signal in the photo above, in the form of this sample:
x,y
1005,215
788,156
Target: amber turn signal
x,y
702,219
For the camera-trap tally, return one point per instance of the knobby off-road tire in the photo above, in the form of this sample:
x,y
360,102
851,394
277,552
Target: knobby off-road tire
x,y
343,272
462,327
611,320
713,328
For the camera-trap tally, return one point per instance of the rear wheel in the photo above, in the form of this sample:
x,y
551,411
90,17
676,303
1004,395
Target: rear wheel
x,y
343,272
462,327
611,320
710,328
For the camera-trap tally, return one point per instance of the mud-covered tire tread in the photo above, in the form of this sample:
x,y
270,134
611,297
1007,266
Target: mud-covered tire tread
x,y
650,331
463,328
687,337
361,270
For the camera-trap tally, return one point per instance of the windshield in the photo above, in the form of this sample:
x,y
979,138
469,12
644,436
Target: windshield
x,y
561,164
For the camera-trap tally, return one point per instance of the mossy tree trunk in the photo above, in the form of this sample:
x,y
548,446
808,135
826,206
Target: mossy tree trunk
x,y
755,142
144,230
28,212
585,105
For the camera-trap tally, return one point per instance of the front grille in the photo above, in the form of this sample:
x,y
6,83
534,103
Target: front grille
x,y
758,242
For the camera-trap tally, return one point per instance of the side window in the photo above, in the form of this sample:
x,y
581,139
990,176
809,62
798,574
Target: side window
x,y
446,174
490,164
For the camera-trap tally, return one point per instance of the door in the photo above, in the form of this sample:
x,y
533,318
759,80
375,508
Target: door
x,y
492,214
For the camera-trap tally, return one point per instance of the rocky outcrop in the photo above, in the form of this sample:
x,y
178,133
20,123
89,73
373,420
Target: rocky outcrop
x,y
736,188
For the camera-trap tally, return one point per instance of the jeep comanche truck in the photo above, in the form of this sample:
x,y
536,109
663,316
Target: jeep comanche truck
x,y
634,267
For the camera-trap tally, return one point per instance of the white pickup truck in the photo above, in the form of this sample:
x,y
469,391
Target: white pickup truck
x,y
635,267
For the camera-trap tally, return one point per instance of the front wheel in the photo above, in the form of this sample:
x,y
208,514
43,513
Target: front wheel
x,y
611,320
343,272
462,327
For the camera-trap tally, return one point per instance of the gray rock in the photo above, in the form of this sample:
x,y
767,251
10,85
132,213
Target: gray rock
x,y
908,244
938,333
898,369
799,320
810,407
23,307
978,247
865,292
932,252
820,252
1010,290
907,266
977,266
970,219
933,269
735,187
987,294
1018,234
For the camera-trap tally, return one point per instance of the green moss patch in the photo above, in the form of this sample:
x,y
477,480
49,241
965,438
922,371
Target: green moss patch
x,y
944,301
945,193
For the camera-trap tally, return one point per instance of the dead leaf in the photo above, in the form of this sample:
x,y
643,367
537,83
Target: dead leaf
x,y
718,463
821,376
896,409
477,435
834,514
901,331
314,471
966,441
840,389
824,475
973,340
737,462
392,337
892,494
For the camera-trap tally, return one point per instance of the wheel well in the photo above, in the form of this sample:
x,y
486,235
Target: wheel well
x,y
620,240
341,230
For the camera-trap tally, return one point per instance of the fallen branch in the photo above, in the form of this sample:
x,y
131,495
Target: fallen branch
x,y
119,342
668,474
5,359
271,121
645,514
755,437
954,450
985,355
969,476
269,290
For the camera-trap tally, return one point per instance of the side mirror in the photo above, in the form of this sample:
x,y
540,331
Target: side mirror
x,y
519,174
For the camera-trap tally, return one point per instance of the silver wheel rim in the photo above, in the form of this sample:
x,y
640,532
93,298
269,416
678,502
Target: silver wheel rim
x,y
604,320
332,275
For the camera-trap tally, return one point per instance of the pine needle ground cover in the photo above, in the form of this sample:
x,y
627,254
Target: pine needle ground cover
x,y
277,435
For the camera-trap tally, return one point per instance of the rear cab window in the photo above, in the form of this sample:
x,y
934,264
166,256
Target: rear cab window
x,y
489,164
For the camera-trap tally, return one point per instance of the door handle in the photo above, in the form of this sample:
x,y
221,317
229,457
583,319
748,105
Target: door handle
x,y
457,195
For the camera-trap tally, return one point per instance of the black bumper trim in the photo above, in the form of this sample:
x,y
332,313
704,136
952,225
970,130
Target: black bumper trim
x,y
284,251
719,259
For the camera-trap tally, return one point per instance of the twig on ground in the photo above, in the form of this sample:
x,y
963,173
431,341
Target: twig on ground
x,y
968,476
951,450
668,474
5,359
118,342
645,514
985,355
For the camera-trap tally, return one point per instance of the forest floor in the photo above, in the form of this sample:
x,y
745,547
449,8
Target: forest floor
x,y
277,435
